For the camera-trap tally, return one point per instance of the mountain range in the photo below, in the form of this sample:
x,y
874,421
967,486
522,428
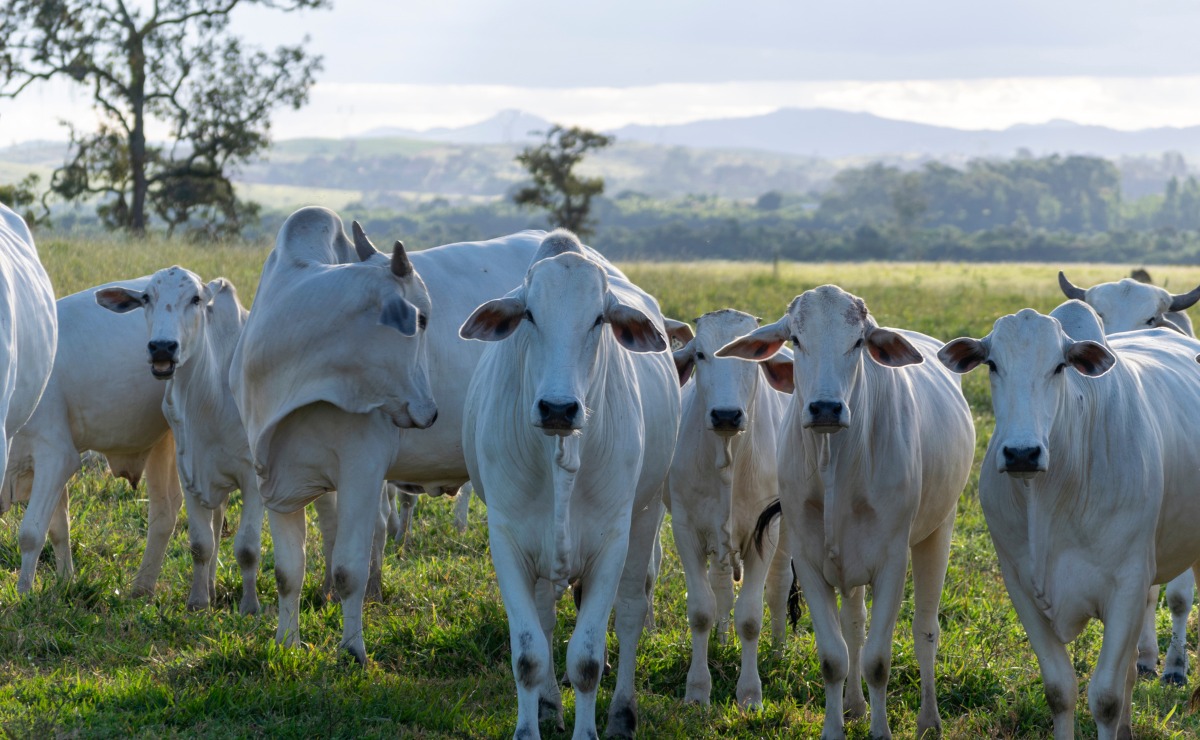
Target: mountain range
x,y
837,134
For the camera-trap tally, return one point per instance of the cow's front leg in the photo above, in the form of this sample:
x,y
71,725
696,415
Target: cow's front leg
x,y
1108,692
360,488
887,592
204,535
247,545
530,652
287,534
632,605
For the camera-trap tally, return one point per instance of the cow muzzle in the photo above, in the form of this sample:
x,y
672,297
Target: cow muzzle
x,y
560,417
164,357
826,417
727,421
1023,461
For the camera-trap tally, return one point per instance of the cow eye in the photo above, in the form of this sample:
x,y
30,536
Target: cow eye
x,y
1060,367
1150,321
422,321
195,300
599,321
991,365
858,343
529,317
700,356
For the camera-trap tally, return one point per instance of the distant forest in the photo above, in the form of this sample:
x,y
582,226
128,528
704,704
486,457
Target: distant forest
x,y
1049,208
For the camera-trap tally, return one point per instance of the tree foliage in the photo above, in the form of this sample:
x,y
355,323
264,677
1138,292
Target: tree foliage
x,y
556,187
22,196
171,61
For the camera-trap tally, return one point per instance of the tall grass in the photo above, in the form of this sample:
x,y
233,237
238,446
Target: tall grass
x,y
81,659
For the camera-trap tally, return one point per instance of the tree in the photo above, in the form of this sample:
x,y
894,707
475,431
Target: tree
x,y
555,186
171,61
21,197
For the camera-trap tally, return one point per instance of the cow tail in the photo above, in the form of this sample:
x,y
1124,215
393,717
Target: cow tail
x,y
773,510
793,601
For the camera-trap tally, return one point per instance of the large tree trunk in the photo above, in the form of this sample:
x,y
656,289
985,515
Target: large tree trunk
x,y
137,135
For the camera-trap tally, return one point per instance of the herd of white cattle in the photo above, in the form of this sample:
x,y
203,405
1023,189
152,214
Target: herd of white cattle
x,y
536,369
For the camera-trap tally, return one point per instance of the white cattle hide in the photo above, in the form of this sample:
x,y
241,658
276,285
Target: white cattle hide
x,y
572,417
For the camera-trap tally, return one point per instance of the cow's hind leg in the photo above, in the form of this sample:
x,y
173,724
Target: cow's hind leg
x,y
327,522
52,471
701,607
550,698
778,591
60,538
165,497
1180,592
929,560
747,619
1147,659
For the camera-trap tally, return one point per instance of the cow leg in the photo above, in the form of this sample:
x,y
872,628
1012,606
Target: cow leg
x,y
247,545
60,538
720,578
1106,693
288,534
831,645
360,491
887,593
204,531
52,471
406,506
656,556
1125,731
530,652
929,560
631,618
327,518
462,507
747,619
550,697
1180,592
378,545
701,606
853,620
778,588
165,497
1147,660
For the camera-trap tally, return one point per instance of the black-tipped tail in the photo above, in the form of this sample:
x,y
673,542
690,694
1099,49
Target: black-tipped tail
x,y
773,510
793,602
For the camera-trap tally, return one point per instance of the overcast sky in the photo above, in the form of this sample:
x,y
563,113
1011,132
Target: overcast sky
x,y
964,63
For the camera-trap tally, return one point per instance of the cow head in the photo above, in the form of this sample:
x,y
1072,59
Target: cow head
x,y
1029,356
725,386
561,311
831,332
177,304
1130,304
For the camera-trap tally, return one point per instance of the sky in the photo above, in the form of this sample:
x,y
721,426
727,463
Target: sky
x,y
1127,64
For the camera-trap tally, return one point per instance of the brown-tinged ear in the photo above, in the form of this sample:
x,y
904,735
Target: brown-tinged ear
x,y
1089,358
891,349
678,333
778,372
120,300
962,355
633,329
759,344
685,362
494,320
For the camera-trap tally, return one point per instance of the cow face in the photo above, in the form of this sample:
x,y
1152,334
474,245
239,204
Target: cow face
x,y
1028,356
831,331
561,311
1129,304
176,303
725,387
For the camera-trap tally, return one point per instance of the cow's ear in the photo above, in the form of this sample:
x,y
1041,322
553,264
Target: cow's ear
x,y
962,355
759,344
494,320
685,361
1090,358
679,333
891,349
399,314
120,300
779,373
633,329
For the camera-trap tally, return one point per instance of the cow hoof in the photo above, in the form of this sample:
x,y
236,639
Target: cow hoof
x,y
622,719
197,606
1174,679
551,710
358,652
249,607
929,730
855,709
1144,672
699,697
141,592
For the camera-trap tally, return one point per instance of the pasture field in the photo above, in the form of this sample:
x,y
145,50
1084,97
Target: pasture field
x,y
80,659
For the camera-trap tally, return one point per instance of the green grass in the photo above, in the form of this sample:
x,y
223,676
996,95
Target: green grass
x,y
80,659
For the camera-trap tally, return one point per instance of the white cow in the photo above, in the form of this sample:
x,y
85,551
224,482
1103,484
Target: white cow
x,y
193,328
100,398
1094,445
1129,305
874,452
30,335
723,475
335,376
571,423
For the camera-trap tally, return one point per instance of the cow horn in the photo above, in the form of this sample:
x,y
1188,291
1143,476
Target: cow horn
x,y
1184,301
366,250
401,267
1069,290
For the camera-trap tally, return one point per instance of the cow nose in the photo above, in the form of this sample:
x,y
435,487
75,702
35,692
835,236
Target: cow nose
x,y
1022,459
726,420
558,415
163,349
825,409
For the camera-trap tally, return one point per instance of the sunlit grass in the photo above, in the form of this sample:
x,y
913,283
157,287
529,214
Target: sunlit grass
x,y
82,659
